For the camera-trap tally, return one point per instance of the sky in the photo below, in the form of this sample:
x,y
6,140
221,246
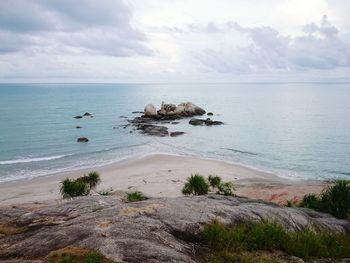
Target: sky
x,y
174,41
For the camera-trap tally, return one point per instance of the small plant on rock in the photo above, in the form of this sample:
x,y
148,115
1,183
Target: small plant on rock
x,y
196,185
135,196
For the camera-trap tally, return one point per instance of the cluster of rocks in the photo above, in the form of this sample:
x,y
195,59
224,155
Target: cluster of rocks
x,y
149,122
155,230
86,114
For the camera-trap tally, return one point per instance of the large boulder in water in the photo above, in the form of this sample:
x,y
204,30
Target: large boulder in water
x,y
150,110
189,109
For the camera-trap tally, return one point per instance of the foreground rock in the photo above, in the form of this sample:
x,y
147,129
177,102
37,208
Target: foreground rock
x,y
176,133
155,230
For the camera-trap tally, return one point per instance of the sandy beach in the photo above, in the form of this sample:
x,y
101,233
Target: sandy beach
x,y
161,175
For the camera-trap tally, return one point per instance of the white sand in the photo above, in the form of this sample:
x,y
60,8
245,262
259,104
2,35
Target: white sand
x,y
161,175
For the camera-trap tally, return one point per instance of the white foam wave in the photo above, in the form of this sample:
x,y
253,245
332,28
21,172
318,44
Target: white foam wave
x,y
30,160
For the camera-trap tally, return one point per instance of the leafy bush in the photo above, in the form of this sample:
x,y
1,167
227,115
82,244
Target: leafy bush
x,y
93,179
214,181
270,236
311,201
226,188
73,188
79,187
335,199
196,185
135,196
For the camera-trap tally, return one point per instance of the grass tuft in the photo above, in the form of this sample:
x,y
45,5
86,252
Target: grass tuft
x,y
270,236
76,255
135,196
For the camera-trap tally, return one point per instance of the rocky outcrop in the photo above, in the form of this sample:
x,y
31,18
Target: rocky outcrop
x,y
154,230
82,139
150,110
167,114
172,112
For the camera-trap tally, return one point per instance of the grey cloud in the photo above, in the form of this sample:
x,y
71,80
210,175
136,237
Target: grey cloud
x,y
320,47
91,26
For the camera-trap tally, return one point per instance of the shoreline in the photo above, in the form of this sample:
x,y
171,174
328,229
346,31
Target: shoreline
x,y
163,175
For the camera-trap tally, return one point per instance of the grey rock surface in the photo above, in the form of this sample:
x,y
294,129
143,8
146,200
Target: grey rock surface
x,y
154,230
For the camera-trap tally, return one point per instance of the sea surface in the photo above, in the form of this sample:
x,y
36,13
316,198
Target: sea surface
x,y
298,130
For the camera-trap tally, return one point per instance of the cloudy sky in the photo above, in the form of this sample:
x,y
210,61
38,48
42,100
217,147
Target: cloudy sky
x,y
174,40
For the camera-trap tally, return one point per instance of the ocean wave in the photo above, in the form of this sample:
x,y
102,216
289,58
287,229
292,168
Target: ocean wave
x,y
30,160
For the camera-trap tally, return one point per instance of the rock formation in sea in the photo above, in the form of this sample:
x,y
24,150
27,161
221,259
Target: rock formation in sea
x,y
148,122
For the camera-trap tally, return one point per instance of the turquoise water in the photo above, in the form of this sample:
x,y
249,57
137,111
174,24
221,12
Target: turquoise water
x,y
295,129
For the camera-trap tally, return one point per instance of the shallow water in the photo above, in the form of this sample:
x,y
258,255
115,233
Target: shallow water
x,y
298,130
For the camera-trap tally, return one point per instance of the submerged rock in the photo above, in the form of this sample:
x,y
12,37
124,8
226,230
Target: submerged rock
x,y
78,117
86,114
153,130
82,139
207,122
176,133
78,127
154,230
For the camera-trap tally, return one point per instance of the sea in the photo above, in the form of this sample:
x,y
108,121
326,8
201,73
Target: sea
x,y
296,130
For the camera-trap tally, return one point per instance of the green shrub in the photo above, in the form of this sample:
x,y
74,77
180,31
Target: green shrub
x,y
135,196
335,199
289,203
79,187
73,188
214,181
93,179
311,201
196,185
270,236
226,188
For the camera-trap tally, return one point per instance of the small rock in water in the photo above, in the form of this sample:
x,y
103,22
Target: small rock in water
x,y
87,114
207,122
176,133
78,127
82,139
196,122
78,117
175,122
210,114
